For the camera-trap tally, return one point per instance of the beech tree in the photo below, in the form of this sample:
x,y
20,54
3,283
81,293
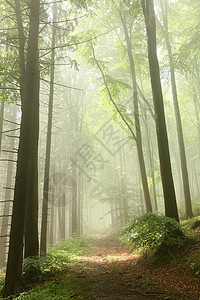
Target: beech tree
x,y
136,116
186,186
163,146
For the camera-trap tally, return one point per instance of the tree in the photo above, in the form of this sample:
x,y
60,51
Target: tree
x,y
29,88
1,121
163,146
136,116
186,186
8,195
43,242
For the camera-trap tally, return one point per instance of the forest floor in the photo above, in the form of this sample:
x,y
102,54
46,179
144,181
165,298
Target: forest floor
x,y
110,271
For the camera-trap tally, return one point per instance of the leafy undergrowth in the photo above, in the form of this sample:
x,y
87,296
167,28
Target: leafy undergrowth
x,y
158,237
37,270
107,270
193,258
60,288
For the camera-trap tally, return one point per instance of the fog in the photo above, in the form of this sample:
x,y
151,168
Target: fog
x,y
99,163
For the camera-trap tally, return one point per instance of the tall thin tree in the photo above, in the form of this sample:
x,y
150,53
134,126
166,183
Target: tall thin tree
x,y
30,97
161,130
136,117
43,241
184,170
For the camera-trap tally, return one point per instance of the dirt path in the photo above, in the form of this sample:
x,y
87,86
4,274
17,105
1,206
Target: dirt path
x,y
109,271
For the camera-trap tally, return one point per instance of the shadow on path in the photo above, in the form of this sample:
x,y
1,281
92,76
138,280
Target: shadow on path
x,y
110,271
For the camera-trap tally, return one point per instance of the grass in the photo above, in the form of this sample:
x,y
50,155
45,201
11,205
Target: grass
x,y
47,272
112,258
61,288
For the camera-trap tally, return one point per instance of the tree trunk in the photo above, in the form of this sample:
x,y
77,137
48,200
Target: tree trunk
x,y
31,215
43,241
1,122
30,97
196,113
161,130
150,155
123,188
137,119
52,220
7,204
79,203
186,186
74,199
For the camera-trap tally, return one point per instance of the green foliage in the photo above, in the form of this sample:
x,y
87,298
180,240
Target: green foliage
x,y
61,288
37,269
155,233
194,262
116,86
71,247
32,270
149,283
188,226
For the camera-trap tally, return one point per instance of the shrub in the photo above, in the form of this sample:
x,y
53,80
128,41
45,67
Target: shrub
x,y
32,270
37,269
158,234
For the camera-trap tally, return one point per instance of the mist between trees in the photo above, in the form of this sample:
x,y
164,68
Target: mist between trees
x,y
99,119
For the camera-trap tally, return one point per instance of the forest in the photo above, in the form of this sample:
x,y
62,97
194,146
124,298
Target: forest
x,y
100,149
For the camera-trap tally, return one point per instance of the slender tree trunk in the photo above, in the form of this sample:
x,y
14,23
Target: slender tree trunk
x,y
186,186
74,199
137,119
1,122
29,90
31,215
52,220
123,189
43,240
79,203
163,145
148,139
7,204
196,113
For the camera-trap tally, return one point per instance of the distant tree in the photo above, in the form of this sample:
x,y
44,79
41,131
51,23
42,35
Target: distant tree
x,y
8,185
1,121
43,242
163,146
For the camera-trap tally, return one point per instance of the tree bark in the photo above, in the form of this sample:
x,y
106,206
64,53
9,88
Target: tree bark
x,y
186,186
7,204
1,122
196,113
161,130
123,188
43,241
137,119
29,97
74,199
31,215
151,162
